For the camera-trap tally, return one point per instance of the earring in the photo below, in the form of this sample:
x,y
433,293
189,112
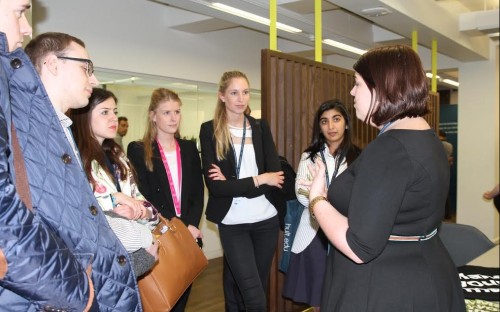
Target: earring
x,y
347,127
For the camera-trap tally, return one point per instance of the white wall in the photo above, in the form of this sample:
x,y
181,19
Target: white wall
x,y
478,147
133,35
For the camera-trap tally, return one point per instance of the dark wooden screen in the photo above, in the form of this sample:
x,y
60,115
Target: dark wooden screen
x,y
292,89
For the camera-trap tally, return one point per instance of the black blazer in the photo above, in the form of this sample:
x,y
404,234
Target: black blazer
x,y
221,193
154,184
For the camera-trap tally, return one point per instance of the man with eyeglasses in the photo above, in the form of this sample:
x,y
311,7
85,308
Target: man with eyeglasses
x,y
34,261
60,190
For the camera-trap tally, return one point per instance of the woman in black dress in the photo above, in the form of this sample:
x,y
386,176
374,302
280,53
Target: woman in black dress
x,y
331,142
382,213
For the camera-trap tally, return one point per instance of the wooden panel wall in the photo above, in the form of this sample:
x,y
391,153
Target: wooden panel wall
x,y
292,89
433,117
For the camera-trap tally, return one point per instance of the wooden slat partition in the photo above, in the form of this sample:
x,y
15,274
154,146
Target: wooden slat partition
x,y
433,117
292,88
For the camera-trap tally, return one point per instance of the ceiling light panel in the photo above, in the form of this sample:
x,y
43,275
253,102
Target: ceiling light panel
x,y
344,46
252,17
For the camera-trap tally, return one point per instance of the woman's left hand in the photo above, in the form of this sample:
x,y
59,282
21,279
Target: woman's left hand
x,y
215,173
125,211
133,209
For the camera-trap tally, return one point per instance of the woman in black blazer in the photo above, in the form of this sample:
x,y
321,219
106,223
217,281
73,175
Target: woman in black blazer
x,y
241,168
161,157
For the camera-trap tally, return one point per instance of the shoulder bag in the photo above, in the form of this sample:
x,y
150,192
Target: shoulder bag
x,y
294,211
181,260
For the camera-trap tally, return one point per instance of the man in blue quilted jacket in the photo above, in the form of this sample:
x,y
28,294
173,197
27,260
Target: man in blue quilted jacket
x,y
60,191
37,271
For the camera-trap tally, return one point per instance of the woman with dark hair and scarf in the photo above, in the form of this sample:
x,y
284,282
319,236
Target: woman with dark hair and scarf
x,y
111,177
332,143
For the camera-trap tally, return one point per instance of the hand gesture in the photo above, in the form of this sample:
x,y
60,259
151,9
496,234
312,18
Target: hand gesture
x,y
318,185
134,210
125,211
492,193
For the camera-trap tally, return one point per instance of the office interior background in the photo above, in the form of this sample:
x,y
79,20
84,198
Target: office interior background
x,y
185,45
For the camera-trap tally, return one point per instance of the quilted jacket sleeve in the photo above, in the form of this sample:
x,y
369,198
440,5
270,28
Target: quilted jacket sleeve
x,y
34,263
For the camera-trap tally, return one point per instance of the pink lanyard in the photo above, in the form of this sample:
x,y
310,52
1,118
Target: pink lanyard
x,y
175,198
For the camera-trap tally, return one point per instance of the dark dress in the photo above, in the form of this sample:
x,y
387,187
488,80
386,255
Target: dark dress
x,y
398,185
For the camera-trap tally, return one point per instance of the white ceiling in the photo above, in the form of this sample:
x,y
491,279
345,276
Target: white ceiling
x,y
343,21
475,5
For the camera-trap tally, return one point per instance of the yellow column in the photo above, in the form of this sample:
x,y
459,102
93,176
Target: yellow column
x,y
414,40
434,65
318,36
273,33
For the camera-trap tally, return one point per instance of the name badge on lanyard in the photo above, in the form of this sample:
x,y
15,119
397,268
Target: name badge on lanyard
x,y
236,200
175,198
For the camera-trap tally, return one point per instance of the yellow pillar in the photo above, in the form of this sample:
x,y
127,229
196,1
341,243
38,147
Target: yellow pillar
x,y
434,66
318,36
273,33
414,40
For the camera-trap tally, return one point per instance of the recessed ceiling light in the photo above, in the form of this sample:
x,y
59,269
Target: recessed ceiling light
x,y
451,82
344,46
374,12
251,16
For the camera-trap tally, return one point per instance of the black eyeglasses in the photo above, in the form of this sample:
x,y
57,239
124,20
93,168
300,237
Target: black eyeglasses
x,y
90,65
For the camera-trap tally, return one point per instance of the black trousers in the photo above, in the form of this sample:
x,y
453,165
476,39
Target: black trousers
x,y
180,306
248,250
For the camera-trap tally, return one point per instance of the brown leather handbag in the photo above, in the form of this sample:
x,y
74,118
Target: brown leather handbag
x,y
181,260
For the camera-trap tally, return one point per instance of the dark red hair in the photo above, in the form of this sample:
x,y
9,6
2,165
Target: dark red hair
x,y
396,75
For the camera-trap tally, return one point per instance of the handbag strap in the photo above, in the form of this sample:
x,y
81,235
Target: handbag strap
x,y
22,185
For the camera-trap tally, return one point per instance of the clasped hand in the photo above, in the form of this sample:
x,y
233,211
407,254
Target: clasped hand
x,y
129,207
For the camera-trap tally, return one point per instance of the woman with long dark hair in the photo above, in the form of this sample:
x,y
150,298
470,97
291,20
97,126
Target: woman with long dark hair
x,y
112,178
331,142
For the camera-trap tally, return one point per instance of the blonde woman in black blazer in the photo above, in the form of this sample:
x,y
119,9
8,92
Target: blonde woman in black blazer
x,y
241,169
160,151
